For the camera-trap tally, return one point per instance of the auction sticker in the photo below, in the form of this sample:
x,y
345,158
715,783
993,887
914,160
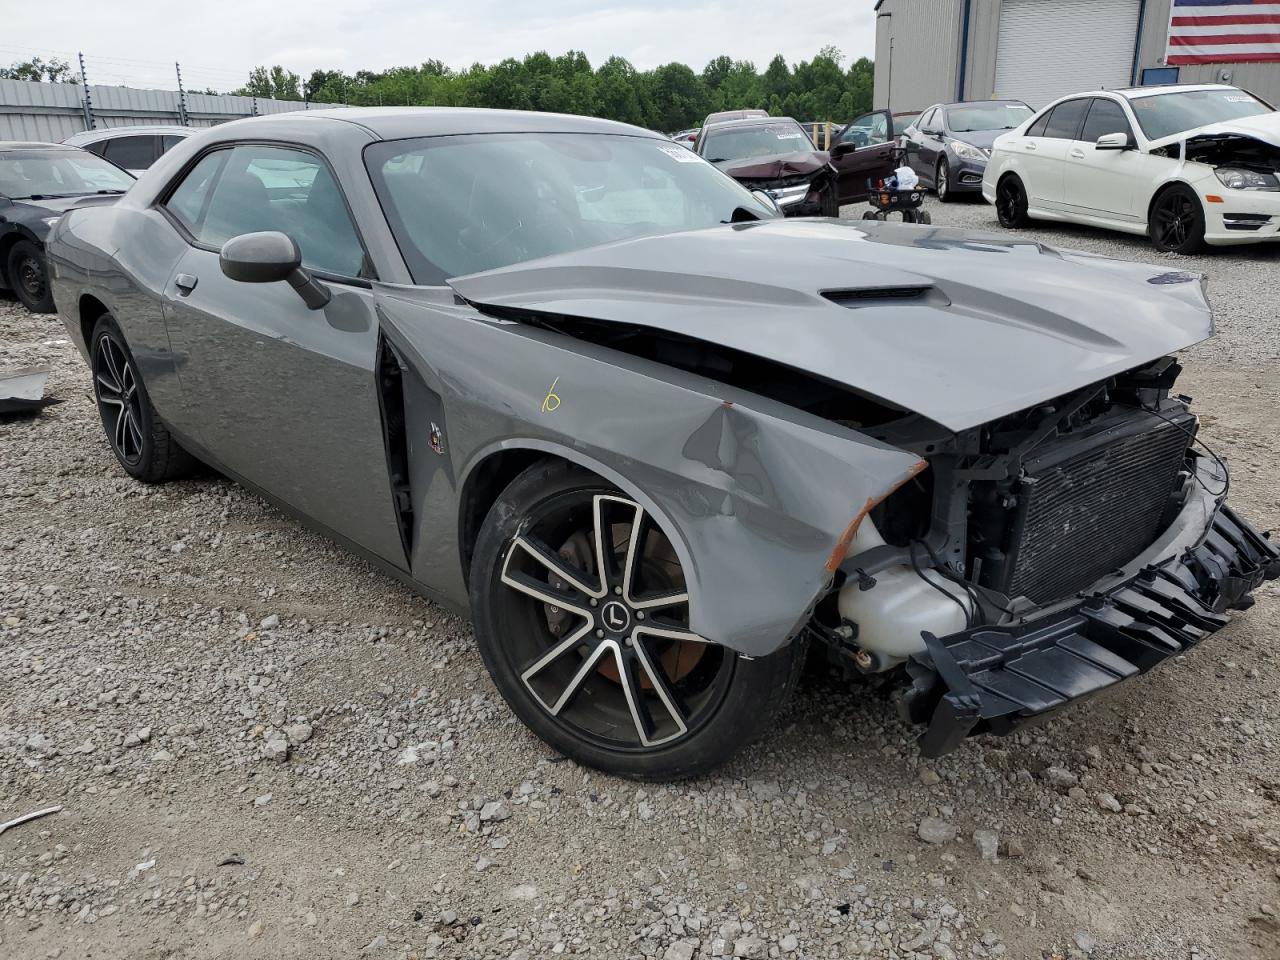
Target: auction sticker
x,y
681,154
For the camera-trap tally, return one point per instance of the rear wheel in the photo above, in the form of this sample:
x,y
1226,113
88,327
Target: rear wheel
x,y
1176,223
581,615
29,276
138,438
1011,203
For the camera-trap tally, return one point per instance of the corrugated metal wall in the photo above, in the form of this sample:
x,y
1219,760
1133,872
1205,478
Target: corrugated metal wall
x,y
922,68
54,111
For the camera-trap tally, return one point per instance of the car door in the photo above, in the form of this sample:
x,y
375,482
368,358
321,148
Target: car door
x,y
931,145
1042,152
286,396
862,152
1115,184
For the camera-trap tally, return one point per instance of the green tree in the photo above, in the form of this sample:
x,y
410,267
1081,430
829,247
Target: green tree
x,y
275,83
45,71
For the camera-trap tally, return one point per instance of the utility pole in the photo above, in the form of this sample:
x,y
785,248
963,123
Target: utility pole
x,y
182,98
89,122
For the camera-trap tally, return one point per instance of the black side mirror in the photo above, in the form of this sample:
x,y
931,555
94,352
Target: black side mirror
x,y
843,148
268,257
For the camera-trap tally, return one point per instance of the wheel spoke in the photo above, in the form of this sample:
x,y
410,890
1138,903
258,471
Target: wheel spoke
x,y
554,565
121,429
106,383
579,678
666,631
664,693
566,645
135,431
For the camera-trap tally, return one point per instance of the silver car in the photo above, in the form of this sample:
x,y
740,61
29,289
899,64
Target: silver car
x,y
565,376
131,148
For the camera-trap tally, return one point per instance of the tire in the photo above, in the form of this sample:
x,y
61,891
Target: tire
x,y
1176,222
135,433
565,646
830,203
1011,203
28,275
872,215
924,217
942,181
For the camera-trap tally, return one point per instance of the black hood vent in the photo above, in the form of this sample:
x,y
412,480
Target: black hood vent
x,y
866,296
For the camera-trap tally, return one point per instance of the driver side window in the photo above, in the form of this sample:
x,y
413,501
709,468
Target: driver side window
x,y
256,187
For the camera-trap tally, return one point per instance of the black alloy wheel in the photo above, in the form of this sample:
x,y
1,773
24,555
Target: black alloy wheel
x,y
135,433
1011,203
942,181
29,277
581,613
1177,221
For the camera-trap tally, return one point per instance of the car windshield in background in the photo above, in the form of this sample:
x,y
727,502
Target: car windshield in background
x,y
43,174
1164,114
764,140
460,205
986,116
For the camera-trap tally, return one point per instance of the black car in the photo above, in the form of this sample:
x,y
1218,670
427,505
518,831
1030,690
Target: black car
x,y
39,182
951,142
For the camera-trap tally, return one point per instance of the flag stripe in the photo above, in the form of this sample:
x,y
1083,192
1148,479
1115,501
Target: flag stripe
x,y
1217,39
1240,19
1187,59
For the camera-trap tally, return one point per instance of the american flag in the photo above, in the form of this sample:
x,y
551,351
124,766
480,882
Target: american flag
x,y
1224,31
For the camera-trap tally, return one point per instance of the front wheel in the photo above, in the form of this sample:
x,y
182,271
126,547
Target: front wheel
x,y
28,274
1011,203
1177,221
581,615
942,181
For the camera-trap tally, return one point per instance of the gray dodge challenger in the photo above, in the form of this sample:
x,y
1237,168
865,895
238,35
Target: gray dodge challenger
x,y
565,376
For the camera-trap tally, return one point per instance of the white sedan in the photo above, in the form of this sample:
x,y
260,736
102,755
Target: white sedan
x,y
1185,165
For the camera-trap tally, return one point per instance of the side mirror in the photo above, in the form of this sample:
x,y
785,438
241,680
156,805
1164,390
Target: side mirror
x,y
268,257
1113,141
843,148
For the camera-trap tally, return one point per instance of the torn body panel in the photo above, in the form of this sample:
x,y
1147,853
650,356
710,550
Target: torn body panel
x,y
753,494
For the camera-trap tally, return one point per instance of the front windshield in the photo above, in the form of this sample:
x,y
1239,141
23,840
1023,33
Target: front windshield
x,y
1164,114
761,140
986,116
44,174
460,205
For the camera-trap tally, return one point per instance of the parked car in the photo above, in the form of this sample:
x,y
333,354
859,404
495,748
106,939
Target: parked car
x,y
654,439
774,154
948,145
1185,165
724,115
686,138
39,182
132,148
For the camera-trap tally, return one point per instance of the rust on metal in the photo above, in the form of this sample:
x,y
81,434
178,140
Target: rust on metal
x,y
846,538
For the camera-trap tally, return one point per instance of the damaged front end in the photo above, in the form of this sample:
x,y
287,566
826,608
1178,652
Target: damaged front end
x,y
802,185
1043,557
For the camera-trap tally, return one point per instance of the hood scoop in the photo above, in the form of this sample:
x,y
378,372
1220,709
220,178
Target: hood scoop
x,y
884,296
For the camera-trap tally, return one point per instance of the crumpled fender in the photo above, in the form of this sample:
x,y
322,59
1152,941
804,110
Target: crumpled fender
x,y
760,500
775,168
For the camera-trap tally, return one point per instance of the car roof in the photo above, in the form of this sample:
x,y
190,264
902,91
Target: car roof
x,y
403,123
110,133
33,145
981,103
1137,93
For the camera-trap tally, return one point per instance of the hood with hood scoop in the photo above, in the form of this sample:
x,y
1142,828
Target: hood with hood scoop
x,y
961,328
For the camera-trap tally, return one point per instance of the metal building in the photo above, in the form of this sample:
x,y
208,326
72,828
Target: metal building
x,y
929,51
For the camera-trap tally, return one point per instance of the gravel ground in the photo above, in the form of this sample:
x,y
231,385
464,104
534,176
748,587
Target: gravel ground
x,y
263,748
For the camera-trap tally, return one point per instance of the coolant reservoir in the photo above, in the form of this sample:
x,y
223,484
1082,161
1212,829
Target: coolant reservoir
x,y
891,615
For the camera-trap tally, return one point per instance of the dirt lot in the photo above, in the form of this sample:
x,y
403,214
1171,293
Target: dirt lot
x,y
153,635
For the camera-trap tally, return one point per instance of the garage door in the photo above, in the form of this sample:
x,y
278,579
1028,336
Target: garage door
x,y
1050,48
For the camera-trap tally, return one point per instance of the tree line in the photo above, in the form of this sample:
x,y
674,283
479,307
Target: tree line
x,y
667,98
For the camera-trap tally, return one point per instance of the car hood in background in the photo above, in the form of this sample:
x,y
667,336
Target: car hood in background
x,y
979,138
55,205
800,163
1263,126
960,328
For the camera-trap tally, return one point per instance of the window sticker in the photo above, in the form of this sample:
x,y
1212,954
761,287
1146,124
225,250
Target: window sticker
x,y
679,153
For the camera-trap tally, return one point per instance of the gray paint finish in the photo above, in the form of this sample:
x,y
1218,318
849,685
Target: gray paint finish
x,y
758,498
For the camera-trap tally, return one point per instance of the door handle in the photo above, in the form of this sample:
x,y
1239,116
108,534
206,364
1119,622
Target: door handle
x,y
1028,146
1078,154
185,283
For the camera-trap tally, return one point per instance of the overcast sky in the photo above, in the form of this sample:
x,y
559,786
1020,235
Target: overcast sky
x,y
137,41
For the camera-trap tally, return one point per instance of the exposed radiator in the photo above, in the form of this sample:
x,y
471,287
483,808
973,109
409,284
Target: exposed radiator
x,y
1088,506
